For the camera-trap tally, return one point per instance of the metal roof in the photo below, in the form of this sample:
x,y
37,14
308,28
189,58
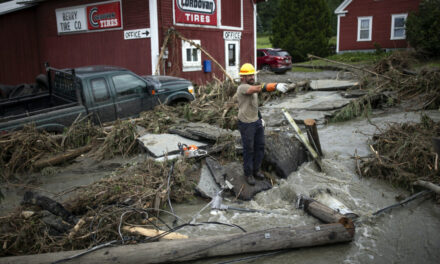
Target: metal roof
x,y
15,5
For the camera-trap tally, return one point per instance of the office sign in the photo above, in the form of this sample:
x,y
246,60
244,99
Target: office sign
x,y
137,33
231,35
197,12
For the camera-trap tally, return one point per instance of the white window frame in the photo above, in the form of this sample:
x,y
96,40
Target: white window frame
x,y
370,23
393,17
191,65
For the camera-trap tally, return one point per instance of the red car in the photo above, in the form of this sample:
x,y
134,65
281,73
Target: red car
x,y
276,60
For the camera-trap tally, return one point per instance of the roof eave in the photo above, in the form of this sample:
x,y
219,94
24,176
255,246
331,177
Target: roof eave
x,y
340,9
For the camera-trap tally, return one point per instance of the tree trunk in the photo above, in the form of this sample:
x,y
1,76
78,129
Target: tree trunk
x,y
203,247
313,135
61,158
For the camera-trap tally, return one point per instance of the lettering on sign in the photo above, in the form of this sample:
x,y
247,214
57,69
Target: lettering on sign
x,y
89,17
231,35
201,12
137,33
71,20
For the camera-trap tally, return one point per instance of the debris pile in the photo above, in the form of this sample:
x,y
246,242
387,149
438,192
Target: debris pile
x,y
404,153
99,211
389,83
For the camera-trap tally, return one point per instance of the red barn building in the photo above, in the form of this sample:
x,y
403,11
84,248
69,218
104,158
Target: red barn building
x,y
127,33
364,25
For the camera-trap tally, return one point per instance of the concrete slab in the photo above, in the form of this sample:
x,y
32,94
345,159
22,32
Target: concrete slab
x,y
332,85
207,186
275,118
165,144
313,101
202,131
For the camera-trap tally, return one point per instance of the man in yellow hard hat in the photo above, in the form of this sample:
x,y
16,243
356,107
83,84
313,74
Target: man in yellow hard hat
x,y
250,122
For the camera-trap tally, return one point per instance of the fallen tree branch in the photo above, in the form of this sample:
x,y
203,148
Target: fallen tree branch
x,y
62,157
428,185
351,66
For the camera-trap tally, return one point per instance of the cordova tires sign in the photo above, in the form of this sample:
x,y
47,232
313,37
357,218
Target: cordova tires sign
x,y
199,12
96,16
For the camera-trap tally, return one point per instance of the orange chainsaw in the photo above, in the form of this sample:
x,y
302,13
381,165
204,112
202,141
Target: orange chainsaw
x,y
190,151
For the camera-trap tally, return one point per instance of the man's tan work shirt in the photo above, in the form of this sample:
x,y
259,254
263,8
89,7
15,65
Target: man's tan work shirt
x,y
247,104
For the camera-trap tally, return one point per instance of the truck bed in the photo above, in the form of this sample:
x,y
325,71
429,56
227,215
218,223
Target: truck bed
x,y
31,105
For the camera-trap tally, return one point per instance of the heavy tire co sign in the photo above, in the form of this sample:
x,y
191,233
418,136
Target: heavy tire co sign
x,y
97,16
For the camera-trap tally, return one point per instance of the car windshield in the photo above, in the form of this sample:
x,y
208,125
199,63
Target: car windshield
x,y
283,53
280,53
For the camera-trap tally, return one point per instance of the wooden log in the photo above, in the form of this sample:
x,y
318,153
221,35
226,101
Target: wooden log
x,y
428,185
326,214
203,247
61,157
312,134
153,232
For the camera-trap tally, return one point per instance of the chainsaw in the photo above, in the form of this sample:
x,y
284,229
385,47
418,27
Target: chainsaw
x,y
190,151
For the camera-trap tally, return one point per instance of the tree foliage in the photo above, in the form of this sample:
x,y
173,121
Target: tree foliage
x,y
302,27
423,28
266,11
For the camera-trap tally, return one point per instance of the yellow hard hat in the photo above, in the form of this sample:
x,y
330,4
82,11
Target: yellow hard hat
x,y
247,69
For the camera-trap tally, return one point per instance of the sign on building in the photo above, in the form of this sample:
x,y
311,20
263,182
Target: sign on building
x,y
137,33
197,12
96,16
231,35
71,19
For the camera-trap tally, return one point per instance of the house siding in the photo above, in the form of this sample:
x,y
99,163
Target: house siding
x,y
381,12
38,40
19,51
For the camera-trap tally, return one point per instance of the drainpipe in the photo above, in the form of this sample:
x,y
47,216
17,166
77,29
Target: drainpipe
x,y
255,40
154,30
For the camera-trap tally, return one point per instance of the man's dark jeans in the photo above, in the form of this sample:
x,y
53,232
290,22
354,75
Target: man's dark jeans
x,y
252,138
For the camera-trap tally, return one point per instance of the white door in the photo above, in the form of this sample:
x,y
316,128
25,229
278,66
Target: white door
x,y
232,55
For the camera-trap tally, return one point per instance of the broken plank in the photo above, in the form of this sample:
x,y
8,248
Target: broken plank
x,y
303,139
153,233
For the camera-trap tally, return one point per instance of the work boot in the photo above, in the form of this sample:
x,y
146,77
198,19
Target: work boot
x,y
259,176
250,179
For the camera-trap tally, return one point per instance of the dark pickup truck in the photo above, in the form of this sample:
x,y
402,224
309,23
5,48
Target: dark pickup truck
x,y
105,93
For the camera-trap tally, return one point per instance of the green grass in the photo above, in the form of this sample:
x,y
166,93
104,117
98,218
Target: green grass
x,y
302,69
263,41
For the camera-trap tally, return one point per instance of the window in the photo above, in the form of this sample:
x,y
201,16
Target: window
x,y
126,84
398,26
191,56
99,89
364,28
260,53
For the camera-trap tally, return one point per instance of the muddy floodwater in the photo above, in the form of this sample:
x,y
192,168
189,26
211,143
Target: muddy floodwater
x,y
403,235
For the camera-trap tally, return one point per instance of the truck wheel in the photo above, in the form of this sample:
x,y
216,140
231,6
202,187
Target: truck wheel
x,y
42,82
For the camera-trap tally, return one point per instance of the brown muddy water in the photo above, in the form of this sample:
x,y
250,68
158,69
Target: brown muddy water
x,y
402,235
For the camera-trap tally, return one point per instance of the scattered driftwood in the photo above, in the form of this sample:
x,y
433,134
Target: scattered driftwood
x,y
350,66
428,185
63,157
204,247
153,233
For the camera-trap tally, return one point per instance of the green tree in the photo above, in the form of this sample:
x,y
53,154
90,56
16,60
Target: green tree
x,y
302,27
266,11
423,28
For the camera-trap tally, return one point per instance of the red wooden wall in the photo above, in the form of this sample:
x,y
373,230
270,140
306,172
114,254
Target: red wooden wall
x,y
19,50
211,38
381,12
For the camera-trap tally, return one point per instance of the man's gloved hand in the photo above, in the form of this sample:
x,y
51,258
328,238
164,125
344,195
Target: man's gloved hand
x,y
270,87
263,123
282,87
